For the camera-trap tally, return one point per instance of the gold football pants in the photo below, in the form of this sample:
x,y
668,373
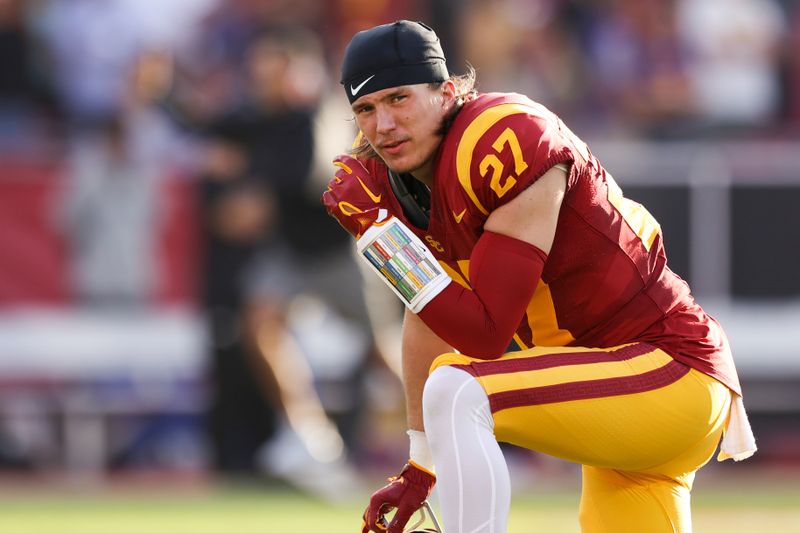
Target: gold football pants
x,y
639,422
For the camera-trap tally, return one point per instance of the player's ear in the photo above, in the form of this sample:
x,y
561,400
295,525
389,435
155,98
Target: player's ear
x,y
448,89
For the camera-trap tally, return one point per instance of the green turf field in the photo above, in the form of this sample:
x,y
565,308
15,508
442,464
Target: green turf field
x,y
733,508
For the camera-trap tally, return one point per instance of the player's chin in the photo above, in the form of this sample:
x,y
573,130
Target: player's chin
x,y
398,162
400,165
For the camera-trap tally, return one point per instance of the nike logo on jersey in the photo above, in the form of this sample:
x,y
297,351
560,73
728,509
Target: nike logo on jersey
x,y
354,90
375,197
459,216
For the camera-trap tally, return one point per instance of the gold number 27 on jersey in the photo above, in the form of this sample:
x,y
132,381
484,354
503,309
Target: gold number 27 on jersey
x,y
498,185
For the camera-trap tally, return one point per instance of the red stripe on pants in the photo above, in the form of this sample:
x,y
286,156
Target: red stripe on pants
x,y
552,360
582,390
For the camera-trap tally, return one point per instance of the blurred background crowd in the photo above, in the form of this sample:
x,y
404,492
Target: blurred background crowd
x,y
173,296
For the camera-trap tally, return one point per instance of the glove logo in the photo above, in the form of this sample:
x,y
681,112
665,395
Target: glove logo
x,y
375,197
354,90
349,209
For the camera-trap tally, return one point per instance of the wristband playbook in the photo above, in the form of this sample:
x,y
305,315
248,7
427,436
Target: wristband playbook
x,y
403,262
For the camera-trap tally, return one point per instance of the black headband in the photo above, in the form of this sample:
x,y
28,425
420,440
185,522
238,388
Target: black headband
x,y
400,53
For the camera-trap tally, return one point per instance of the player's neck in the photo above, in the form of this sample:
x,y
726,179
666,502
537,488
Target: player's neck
x,y
425,172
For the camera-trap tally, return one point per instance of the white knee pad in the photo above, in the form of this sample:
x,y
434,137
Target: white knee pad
x,y
450,395
473,483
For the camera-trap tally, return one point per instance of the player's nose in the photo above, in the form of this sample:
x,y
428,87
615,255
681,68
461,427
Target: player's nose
x,y
384,120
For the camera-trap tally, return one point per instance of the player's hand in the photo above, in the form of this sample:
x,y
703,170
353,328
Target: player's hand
x,y
356,197
406,493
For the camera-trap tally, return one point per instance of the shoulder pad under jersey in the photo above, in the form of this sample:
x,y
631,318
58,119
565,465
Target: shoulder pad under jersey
x,y
505,143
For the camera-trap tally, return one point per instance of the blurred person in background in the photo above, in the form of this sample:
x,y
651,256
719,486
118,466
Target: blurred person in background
x,y
733,49
523,47
110,218
109,65
88,48
268,245
637,66
26,107
111,210
500,230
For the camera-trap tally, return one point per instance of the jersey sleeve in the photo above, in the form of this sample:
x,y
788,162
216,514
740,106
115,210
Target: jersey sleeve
x,y
504,150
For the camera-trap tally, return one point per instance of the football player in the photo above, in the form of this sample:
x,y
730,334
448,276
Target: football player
x,y
498,227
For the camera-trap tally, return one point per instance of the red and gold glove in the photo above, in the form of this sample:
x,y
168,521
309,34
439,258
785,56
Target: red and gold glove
x,y
406,493
357,197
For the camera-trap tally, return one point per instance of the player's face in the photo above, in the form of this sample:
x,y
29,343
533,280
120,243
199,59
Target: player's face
x,y
402,124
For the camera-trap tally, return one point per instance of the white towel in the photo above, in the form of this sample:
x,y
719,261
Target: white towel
x,y
738,441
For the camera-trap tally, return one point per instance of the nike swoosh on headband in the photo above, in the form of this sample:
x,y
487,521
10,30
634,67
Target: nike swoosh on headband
x,y
354,90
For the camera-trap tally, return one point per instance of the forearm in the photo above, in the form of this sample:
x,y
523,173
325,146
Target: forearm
x,y
481,322
420,347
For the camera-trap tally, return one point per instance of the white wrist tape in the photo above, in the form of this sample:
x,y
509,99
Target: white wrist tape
x,y
404,263
419,451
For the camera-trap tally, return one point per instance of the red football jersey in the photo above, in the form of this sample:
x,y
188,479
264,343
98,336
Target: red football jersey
x,y
606,280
